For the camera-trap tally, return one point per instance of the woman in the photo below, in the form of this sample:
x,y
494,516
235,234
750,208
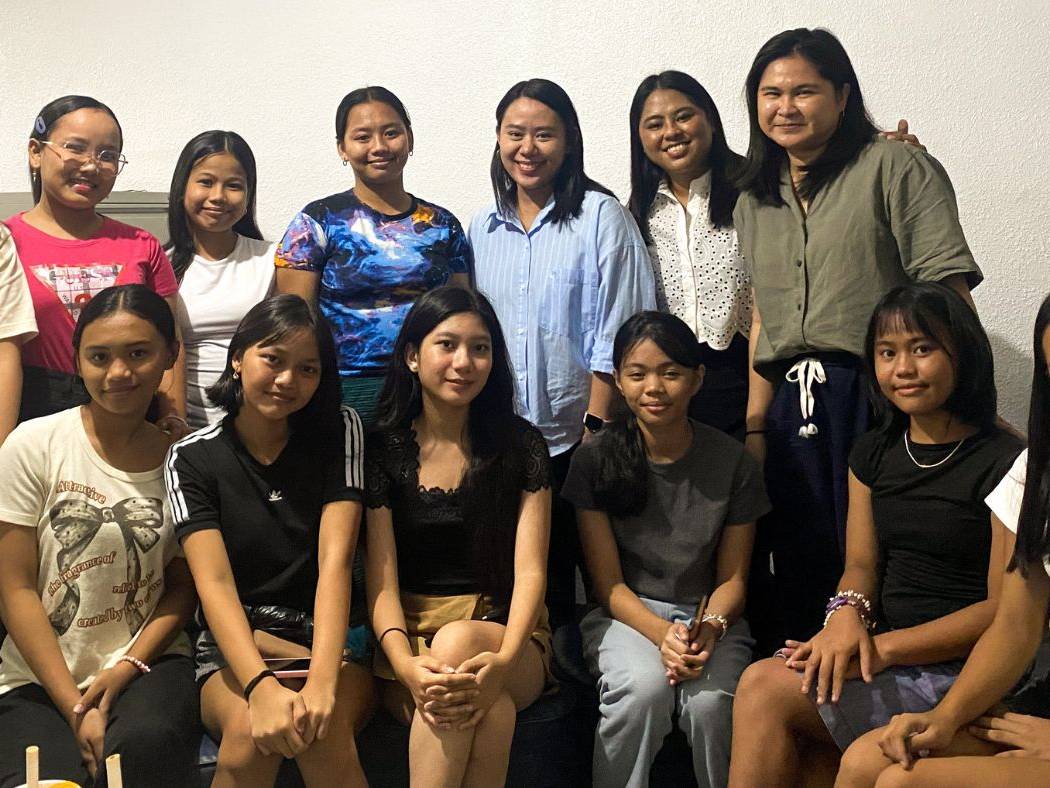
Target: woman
x,y
924,560
223,266
267,506
70,252
94,594
682,197
667,509
458,521
17,326
564,266
954,732
365,255
816,165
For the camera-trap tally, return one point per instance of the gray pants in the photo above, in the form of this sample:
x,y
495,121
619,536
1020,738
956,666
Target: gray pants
x,y
637,705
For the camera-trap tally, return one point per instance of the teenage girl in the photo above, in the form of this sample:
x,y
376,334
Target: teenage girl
x,y
458,523
94,594
954,732
70,252
667,509
267,506
365,255
924,559
223,266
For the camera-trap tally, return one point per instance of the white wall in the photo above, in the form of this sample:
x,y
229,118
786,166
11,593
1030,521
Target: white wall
x,y
972,77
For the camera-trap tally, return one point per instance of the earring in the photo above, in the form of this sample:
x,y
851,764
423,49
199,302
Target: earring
x,y
410,152
345,162
236,375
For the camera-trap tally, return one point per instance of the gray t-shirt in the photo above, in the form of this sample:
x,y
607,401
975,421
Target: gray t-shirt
x,y
669,551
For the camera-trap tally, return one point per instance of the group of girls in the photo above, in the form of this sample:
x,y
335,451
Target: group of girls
x,y
487,367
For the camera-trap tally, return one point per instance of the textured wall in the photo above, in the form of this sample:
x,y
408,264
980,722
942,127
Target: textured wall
x,y
971,76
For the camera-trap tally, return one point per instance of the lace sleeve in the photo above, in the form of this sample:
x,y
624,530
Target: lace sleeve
x,y
377,480
537,460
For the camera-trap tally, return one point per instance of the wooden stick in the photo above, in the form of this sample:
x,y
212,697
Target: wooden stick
x,y
32,766
113,777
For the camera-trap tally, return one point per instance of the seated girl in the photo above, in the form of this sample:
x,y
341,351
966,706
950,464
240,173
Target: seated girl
x,y
267,505
924,561
954,734
667,509
94,593
458,496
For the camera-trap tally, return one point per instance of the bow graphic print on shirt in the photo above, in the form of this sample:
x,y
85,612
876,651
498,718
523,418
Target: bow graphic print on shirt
x,y
76,522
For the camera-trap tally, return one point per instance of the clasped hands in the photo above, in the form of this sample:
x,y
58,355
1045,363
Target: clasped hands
x,y
684,653
448,697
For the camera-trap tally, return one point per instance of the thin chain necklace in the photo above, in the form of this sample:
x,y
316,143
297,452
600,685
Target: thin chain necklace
x,y
907,448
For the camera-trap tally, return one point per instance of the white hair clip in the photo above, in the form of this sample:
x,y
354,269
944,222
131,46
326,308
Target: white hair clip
x,y
40,126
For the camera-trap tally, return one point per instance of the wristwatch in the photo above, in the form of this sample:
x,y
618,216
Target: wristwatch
x,y
593,423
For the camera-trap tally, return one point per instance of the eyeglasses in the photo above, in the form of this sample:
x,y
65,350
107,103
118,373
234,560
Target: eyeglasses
x,y
107,160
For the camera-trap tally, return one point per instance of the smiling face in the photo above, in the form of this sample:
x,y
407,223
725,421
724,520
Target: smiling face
x,y
915,372
67,166
216,194
532,144
656,388
376,143
279,379
122,359
675,134
798,109
454,360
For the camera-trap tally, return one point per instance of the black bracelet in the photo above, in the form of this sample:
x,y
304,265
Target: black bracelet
x,y
755,432
388,630
251,685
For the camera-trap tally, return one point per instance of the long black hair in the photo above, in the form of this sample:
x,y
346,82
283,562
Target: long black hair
x,y
180,238
490,493
269,322
621,482
1033,540
571,182
760,174
646,176
937,311
45,122
137,299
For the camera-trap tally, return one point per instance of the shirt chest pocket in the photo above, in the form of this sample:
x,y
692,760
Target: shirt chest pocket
x,y
566,302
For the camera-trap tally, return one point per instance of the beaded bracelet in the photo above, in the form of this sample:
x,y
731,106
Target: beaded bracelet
x,y
720,619
138,663
840,602
857,596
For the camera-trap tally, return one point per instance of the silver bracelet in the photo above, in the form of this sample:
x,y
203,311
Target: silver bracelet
x,y
720,619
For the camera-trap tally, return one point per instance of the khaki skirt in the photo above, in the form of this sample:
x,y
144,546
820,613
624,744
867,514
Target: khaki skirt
x,y
425,615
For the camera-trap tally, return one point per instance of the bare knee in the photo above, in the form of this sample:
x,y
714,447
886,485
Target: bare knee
x,y
766,685
458,641
861,763
896,776
237,751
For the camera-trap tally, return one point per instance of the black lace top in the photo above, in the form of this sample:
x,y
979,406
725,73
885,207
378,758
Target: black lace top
x,y
436,532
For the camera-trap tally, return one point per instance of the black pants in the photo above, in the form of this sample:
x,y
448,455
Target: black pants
x,y
564,555
722,401
154,725
46,391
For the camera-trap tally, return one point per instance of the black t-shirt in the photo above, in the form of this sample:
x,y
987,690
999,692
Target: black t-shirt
x,y
434,539
269,515
933,526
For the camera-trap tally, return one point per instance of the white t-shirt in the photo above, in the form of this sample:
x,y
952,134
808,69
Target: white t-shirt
x,y
104,537
1005,499
213,297
16,306
700,274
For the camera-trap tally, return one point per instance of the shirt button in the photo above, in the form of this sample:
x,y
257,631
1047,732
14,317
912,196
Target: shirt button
x,y
799,306
798,263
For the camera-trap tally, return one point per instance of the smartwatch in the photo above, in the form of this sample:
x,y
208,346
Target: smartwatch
x,y
592,423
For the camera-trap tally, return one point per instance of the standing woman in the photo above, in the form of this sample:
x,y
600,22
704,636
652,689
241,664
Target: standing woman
x,y
830,218
458,495
564,266
365,255
223,266
682,196
267,506
94,592
70,252
667,510
17,326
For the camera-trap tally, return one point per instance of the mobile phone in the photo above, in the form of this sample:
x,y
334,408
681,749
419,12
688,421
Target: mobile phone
x,y
289,668
701,606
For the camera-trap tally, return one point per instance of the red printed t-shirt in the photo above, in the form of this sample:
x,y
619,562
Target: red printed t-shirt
x,y
65,274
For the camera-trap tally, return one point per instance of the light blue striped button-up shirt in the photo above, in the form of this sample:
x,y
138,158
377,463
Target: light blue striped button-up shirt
x,y
561,291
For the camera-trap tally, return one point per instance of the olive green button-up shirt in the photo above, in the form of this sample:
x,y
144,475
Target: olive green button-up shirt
x,y
889,217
